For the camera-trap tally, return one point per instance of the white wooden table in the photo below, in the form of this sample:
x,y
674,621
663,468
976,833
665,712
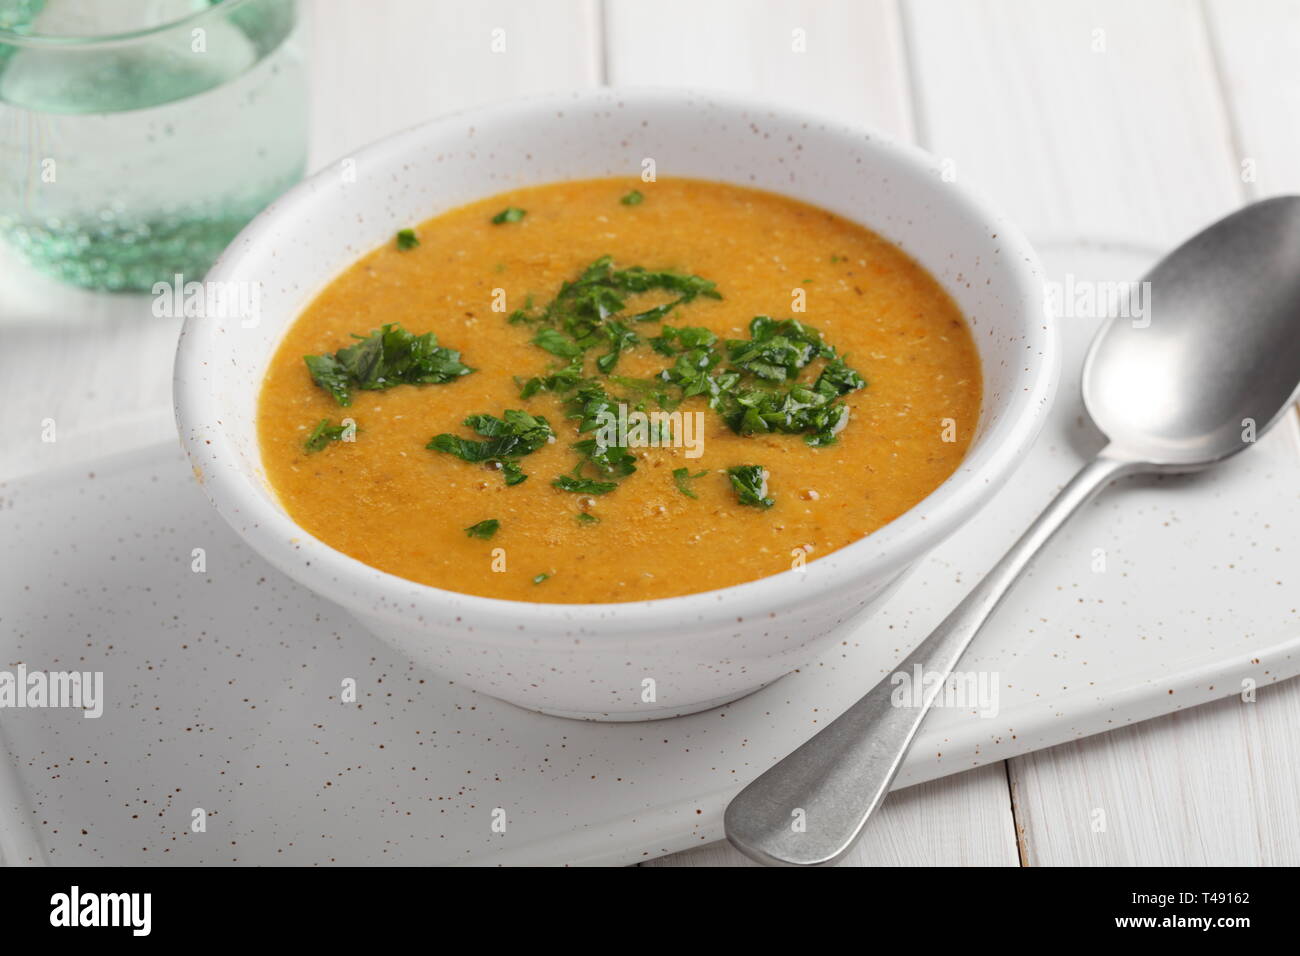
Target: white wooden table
x,y
1133,123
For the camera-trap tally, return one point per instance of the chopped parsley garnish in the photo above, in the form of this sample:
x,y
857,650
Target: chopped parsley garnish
x,y
324,433
386,357
508,440
812,412
743,393
590,404
540,578
750,484
583,517
583,305
407,239
584,486
484,529
588,312
634,198
752,383
683,478
777,350
509,214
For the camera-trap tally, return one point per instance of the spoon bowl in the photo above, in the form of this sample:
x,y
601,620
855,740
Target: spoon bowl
x,y
1216,358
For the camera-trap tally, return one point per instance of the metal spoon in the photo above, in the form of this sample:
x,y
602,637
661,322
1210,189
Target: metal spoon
x,y
1214,366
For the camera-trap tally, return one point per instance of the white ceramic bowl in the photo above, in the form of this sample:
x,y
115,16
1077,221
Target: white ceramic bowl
x,y
592,660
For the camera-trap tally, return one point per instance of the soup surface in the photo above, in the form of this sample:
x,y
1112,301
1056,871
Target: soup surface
x,y
789,439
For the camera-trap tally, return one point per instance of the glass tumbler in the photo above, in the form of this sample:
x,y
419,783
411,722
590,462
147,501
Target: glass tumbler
x,y
137,137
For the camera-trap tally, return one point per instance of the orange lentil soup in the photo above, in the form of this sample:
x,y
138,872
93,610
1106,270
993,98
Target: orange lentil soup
x,y
812,433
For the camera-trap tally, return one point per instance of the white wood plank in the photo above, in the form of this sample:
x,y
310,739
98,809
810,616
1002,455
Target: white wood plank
x,y
849,63
1080,119
1214,785
384,65
1257,43
962,820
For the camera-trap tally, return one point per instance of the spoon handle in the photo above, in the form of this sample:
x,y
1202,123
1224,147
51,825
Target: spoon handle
x,y
810,808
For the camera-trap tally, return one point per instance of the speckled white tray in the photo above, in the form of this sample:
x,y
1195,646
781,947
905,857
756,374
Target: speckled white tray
x,y
223,687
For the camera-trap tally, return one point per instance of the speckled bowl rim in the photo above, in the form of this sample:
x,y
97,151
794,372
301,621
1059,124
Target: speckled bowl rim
x,y
994,455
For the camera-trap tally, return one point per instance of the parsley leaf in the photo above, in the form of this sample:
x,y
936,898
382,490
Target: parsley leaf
x,y
327,372
683,478
508,439
561,380
584,517
692,373
557,343
612,461
324,433
750,484
621,338
540,578
584,486
671,341
407,239
509,214
386,357
484,529
634,198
